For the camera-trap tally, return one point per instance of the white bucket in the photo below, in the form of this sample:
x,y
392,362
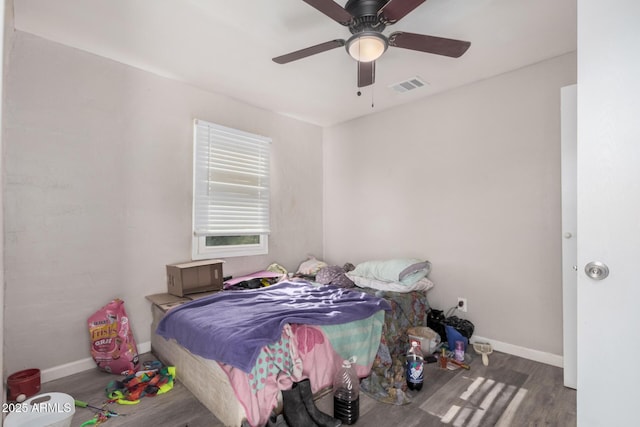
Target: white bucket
x,y
43,410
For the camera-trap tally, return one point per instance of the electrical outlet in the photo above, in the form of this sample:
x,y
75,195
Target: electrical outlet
x,y
462,304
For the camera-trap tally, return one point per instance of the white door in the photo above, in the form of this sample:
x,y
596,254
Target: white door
x,y
609,211
569,235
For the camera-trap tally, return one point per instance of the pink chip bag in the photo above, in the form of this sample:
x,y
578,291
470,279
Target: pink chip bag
x,y
112,344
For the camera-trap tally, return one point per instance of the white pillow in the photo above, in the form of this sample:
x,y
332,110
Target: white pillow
x,y
423,284
404,270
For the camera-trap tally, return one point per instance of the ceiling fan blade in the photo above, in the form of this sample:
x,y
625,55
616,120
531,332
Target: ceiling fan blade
x,y
332,9
366,73
303,53
395,10
429,44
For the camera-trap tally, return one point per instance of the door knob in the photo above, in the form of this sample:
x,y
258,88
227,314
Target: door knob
x,y
568,235
596,270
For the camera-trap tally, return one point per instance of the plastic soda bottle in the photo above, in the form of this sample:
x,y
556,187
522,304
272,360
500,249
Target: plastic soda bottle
x,y
346,393
415,367
459,352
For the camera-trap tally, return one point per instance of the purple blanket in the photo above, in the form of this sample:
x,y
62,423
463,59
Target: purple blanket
x,y
232,326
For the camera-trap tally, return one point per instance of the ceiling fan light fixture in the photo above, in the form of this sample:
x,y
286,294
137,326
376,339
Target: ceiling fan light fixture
x,y
367,46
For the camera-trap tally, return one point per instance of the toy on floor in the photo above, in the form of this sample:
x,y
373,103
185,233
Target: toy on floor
x,y
145,383
101,414
485,350
81,404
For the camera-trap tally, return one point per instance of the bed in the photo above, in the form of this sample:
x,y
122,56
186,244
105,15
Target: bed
x,y
246,395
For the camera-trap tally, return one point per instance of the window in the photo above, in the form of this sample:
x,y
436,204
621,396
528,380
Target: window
x,y
230,192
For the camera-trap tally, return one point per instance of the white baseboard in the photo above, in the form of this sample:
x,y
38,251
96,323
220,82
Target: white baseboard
x,y
82,365
524,352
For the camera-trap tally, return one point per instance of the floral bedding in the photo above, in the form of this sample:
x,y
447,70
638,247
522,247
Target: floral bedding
x,y
387,381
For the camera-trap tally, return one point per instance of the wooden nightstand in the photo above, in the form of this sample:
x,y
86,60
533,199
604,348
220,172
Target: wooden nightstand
x,y
167,301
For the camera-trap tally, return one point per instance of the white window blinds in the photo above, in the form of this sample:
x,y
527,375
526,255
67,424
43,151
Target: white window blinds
x,y
231,181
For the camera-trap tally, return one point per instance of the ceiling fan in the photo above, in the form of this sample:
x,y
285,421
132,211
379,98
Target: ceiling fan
x,y
366,20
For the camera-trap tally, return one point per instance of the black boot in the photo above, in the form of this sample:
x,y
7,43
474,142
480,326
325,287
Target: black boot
x,y
320,418
276,421
294,410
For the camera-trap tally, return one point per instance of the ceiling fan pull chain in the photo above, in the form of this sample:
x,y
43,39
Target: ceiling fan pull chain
x,y
373,70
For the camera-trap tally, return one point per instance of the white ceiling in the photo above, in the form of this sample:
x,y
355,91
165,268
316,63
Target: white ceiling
x,y
226,46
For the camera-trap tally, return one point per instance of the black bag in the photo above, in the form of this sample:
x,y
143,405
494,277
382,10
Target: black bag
x,y
436,320
463,326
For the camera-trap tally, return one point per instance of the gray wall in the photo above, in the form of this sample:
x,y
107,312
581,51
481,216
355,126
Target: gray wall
x,y
98,193
6,7
469,179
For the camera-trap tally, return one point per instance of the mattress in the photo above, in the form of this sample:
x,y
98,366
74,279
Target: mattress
x,y
199,375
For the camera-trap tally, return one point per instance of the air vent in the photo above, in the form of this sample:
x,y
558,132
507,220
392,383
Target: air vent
x,y
409,84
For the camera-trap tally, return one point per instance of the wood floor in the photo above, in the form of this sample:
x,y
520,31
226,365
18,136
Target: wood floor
x,y
538,398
